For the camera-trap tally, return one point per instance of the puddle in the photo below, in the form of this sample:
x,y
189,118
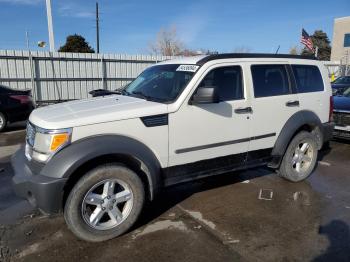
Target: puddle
x,y
162,225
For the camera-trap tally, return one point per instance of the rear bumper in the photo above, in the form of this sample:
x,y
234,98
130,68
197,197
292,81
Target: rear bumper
x,y
41,191
20,113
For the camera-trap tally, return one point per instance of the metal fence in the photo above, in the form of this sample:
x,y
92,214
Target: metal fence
x,y
65,76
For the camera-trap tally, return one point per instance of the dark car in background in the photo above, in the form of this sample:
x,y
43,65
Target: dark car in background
x,y
341,113
15,105
341,83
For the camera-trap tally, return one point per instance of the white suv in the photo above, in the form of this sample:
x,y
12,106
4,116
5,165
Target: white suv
x,y
98,160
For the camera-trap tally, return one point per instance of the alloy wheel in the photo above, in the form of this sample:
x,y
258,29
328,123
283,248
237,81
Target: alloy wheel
x,y
107,204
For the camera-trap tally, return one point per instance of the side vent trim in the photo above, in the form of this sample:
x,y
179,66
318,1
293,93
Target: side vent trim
x,y
157,120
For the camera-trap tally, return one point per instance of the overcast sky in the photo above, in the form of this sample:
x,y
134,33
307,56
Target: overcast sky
x,y
127,26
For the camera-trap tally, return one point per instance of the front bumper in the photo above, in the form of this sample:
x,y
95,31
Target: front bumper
x,y
41,191
341,132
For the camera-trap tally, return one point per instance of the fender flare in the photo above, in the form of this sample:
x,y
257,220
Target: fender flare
x,y
293,124
68,160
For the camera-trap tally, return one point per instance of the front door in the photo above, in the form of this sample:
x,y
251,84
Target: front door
x,y
212,135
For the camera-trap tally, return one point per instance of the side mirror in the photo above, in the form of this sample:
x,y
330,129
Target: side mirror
x,y
205,95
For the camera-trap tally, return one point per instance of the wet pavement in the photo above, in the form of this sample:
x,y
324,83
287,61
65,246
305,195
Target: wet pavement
x,y
242,216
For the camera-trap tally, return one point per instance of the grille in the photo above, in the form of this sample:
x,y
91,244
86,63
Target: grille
x,y
341,119
158,120
30,136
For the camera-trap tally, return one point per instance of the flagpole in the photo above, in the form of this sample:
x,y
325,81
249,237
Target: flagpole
x,y
316,51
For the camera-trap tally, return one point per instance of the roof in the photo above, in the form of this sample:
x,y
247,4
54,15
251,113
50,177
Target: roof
x,y
188,60
202,59
251,55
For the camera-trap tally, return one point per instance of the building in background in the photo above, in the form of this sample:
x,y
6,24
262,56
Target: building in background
x,y
341,40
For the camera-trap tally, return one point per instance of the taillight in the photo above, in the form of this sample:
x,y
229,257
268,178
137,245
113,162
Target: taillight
x,y
23,99
331,107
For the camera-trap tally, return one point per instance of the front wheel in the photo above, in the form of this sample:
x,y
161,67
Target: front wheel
x,y
300,157
3,122
104,203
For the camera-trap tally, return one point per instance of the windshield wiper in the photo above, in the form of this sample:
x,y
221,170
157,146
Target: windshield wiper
x,y
146,97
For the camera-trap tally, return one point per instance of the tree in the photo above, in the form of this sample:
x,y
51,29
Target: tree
x,y
242,49
76,44
295,50
320,39
167,43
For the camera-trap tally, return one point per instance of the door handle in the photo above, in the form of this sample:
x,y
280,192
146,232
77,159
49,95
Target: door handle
x,y
293,103
244,110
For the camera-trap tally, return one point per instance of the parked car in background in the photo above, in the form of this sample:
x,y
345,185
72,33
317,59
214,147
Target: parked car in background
x,y
342,113
15,105
341,83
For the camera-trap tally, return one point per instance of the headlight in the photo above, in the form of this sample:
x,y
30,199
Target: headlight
x,y
42,144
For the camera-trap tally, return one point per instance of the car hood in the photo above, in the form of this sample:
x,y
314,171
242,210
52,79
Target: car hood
x,y
341,103
94,110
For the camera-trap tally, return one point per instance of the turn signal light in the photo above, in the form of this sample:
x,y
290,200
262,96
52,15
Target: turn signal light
x,y
58,140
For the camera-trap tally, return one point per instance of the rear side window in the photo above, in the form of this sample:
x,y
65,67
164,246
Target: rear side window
x,y
227,81
308,78
270,80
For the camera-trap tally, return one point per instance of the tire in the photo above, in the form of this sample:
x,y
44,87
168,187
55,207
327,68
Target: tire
x,y
298,165
3,122
83,214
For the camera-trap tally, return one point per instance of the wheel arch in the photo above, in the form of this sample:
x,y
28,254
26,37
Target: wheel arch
x,y
81,156
302,120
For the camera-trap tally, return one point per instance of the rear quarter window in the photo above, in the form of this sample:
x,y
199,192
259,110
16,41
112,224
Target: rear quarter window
x,y
308,78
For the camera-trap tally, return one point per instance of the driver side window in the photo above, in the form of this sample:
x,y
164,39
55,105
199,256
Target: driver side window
x,y
227,82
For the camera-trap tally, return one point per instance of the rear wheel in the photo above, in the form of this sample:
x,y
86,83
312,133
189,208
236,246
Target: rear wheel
x,y
3,122
300,157
105,203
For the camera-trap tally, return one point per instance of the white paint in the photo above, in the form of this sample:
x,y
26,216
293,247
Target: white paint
x,y
197,215
245,182
234,241
261,197
323,163
30,250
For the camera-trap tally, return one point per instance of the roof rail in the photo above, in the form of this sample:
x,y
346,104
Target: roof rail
x,y
251,55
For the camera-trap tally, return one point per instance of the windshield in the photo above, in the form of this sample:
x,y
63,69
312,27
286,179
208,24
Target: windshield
x,y
342,80
344,92
162,83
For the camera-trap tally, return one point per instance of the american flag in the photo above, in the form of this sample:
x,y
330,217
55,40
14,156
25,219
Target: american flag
x,y
306,40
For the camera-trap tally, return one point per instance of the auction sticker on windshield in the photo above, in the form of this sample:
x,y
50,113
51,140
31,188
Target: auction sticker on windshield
x,y
187,68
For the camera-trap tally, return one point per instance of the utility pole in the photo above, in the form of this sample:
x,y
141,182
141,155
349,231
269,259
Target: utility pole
x,y
50,26
97,29
27,39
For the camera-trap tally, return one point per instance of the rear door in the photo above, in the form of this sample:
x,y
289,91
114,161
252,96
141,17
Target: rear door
x,y
273,102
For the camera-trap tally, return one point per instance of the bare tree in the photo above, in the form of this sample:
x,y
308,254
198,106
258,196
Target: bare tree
x,y
242,49
167,43
295,50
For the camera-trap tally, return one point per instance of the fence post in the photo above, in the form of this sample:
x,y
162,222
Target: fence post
x,y
32,77
103,73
